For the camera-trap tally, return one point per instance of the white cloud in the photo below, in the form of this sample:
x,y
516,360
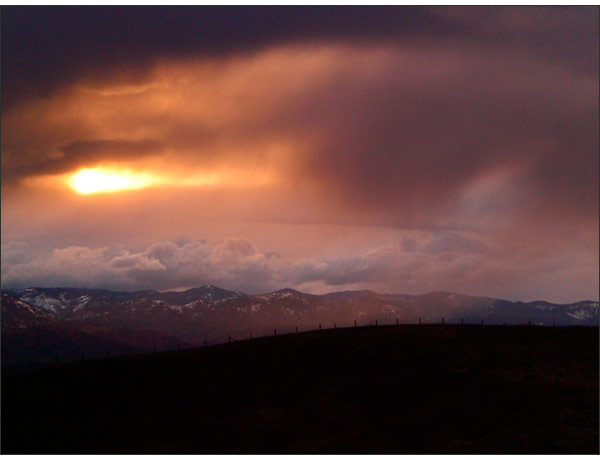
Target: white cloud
x,y
449,261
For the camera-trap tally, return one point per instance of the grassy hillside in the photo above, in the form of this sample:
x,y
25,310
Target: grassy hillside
x,y
407,389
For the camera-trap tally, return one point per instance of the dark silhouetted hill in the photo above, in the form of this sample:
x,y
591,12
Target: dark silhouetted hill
x,y
408,389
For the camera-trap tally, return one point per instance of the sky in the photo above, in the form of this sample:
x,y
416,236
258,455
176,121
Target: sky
x,y
398,149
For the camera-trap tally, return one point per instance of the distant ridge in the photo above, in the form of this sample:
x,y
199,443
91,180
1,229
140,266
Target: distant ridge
x,y
210,314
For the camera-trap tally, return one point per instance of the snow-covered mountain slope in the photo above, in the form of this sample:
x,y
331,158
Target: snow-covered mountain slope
x,y
214,312
66,302
19,314
92,319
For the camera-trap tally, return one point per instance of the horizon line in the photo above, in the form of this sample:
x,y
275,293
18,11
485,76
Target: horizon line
x,y
292,289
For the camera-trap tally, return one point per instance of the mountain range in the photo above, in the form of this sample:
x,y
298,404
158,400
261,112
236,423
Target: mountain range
x,y
43,324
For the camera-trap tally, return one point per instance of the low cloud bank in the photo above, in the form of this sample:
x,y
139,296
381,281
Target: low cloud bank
x,y
449,261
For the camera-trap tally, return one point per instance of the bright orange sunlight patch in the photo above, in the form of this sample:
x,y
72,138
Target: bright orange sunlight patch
x,y
102,180
87,181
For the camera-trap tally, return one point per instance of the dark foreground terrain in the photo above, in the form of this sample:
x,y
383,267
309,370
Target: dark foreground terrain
x,y
407,389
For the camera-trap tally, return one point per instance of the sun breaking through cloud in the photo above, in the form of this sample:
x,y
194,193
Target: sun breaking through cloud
x,y
313,140
87,181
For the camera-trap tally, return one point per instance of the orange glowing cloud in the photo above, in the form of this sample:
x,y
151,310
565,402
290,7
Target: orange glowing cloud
x,y
217,119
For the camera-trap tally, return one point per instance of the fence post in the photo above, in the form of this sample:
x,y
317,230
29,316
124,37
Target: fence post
x,y
334,325
529,323
482,322
205,342
442,320
354,323
396,321
419,321
375,322
319,326
275,332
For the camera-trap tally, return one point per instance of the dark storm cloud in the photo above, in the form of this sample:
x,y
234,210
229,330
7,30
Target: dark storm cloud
x,y
558,35
81,153
43,47
416,138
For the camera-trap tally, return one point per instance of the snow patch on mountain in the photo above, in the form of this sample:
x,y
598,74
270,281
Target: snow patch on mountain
x,y
42,301
81,302
388,309
546,307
